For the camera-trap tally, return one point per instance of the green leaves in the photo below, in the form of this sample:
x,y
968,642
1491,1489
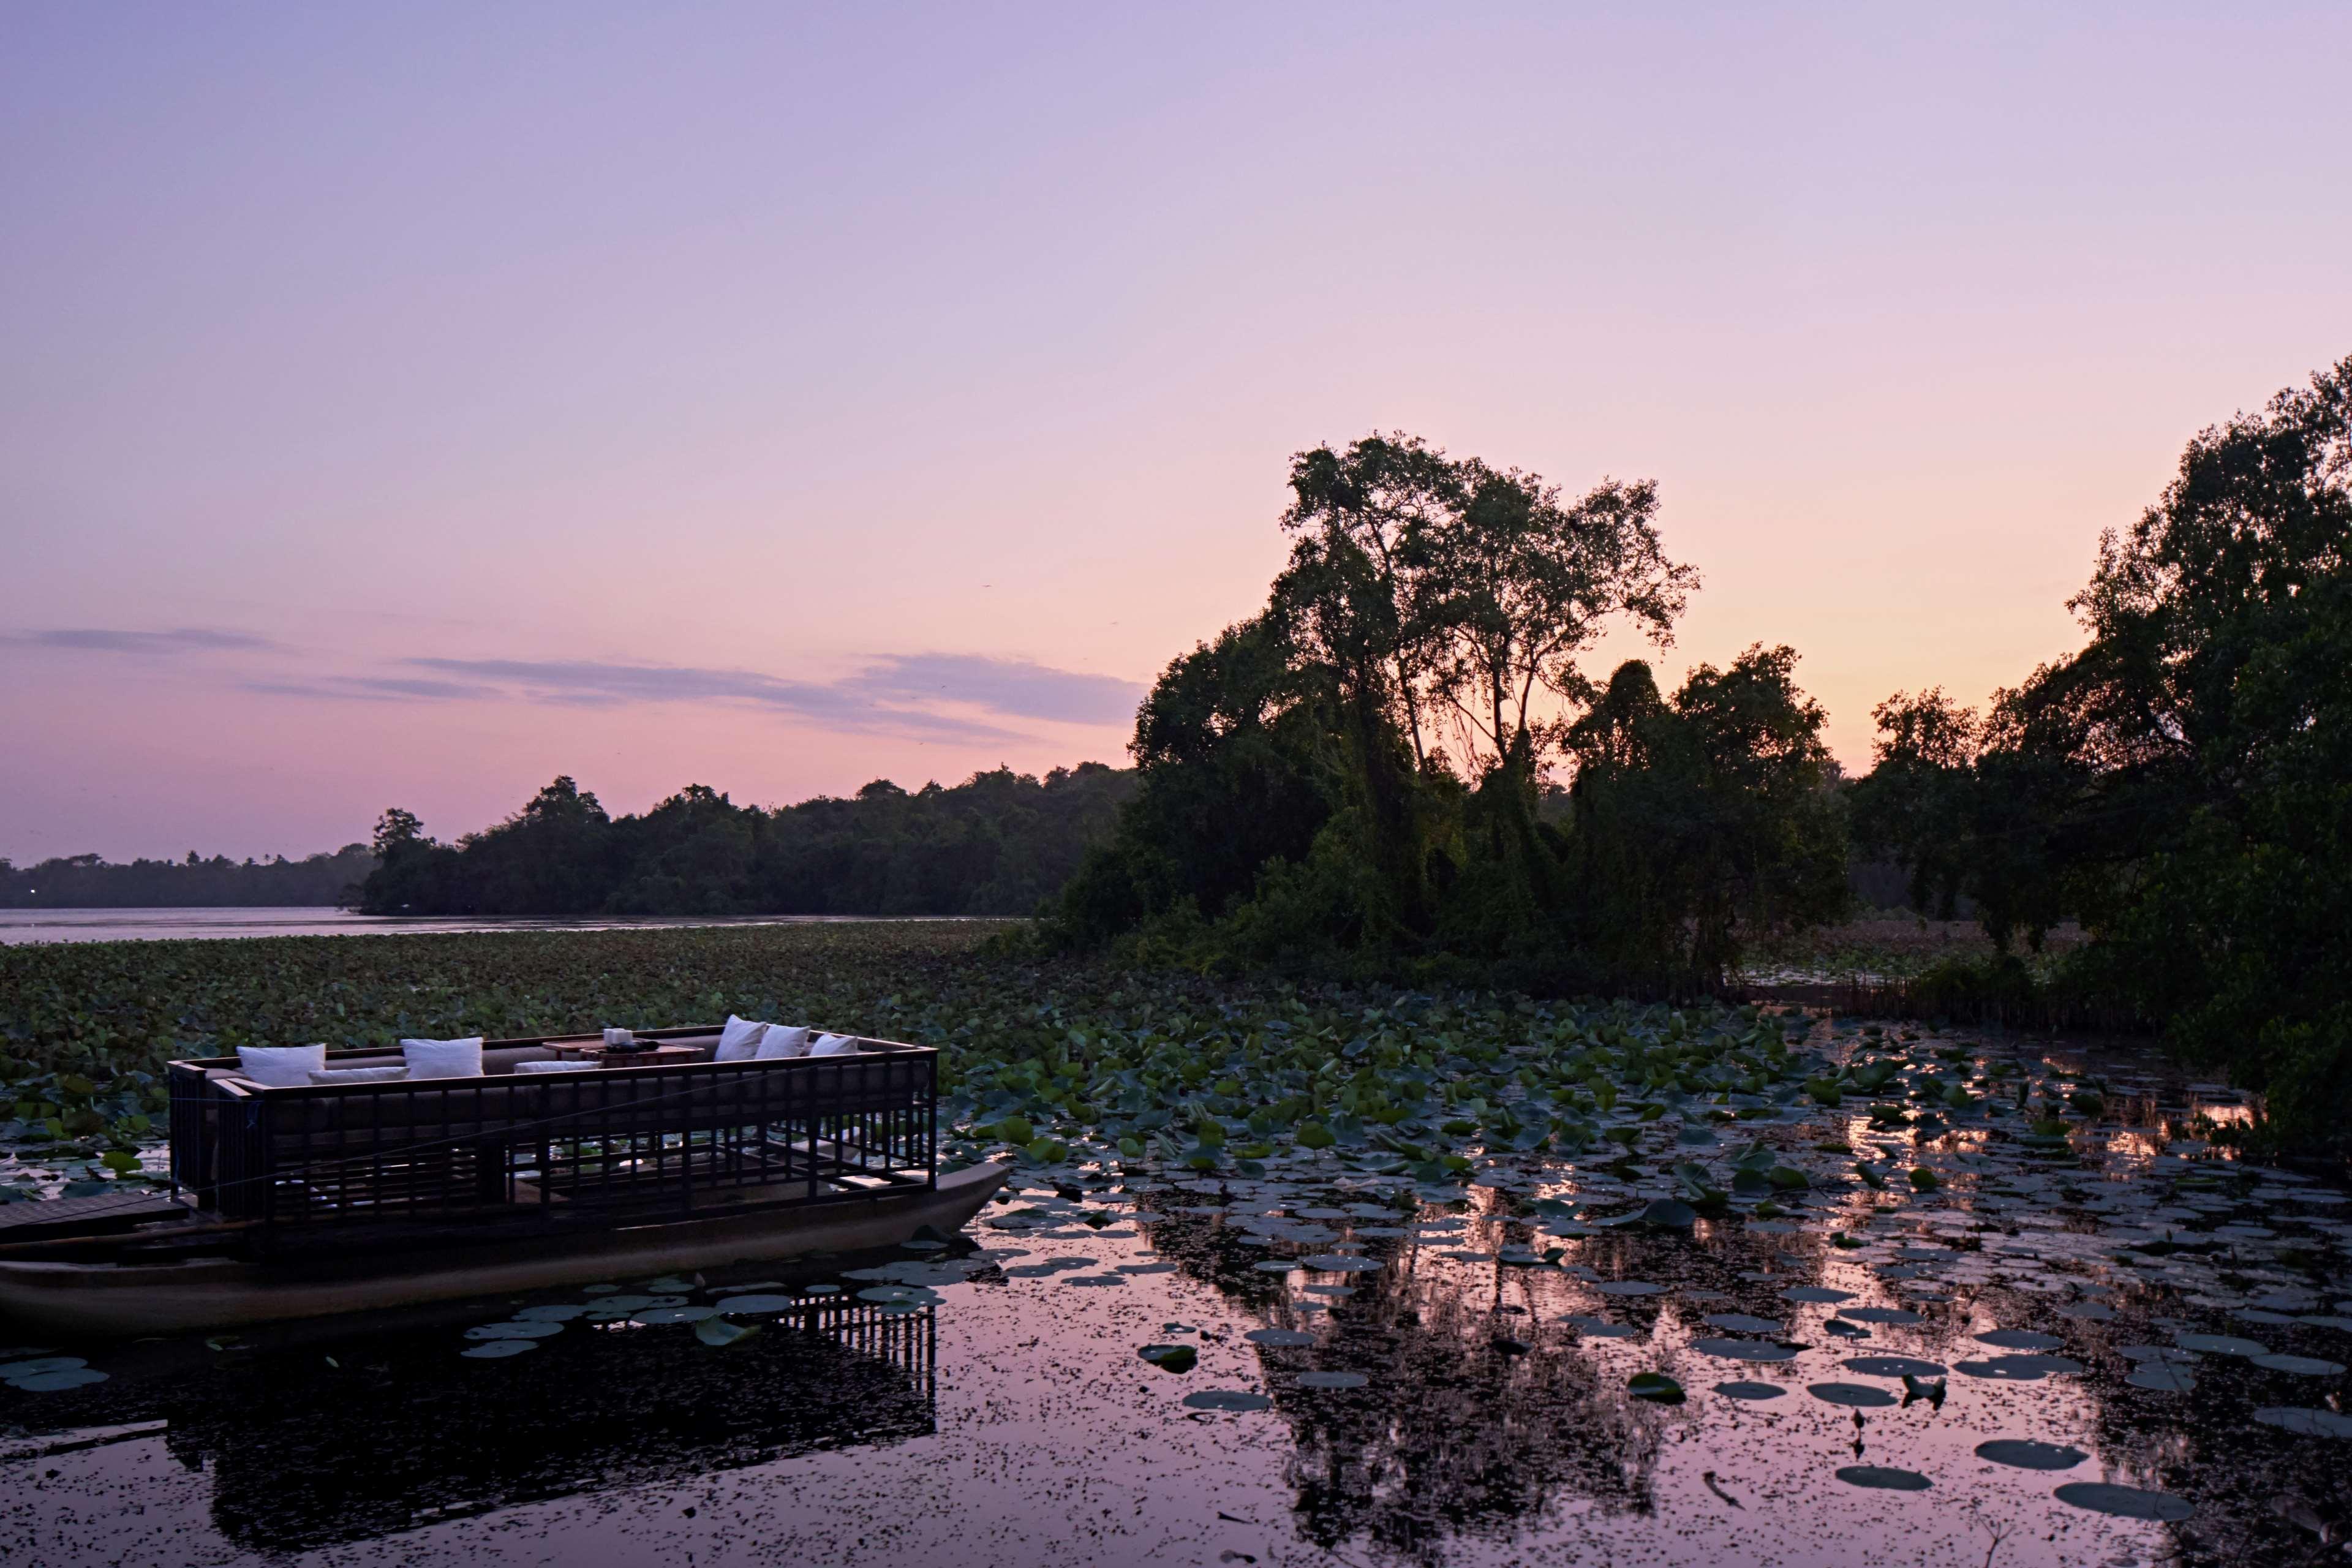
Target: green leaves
x,y
1654,1386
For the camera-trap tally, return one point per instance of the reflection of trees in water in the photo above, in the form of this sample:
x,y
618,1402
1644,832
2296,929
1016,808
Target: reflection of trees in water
x,y
1474,1420
1459,1432
407,1432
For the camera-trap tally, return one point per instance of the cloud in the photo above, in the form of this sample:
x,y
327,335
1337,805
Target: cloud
x,y
379,689
1007,686
94,639
842,705
931,696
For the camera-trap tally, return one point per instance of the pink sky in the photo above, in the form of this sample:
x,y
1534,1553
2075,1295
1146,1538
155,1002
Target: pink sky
x,y
404,405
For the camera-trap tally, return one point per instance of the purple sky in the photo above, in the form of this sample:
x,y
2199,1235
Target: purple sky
x,y
404,404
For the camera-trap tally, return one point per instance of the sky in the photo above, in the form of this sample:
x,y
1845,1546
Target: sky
x,y
404,404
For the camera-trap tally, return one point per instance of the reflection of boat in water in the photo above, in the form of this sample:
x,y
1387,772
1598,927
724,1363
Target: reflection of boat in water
x,y
405,1433
355,1193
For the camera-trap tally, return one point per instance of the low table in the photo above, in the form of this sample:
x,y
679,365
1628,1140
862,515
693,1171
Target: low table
x,y
604,1055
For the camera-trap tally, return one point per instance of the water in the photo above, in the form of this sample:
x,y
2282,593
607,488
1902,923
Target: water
x,y
999,1412
18,926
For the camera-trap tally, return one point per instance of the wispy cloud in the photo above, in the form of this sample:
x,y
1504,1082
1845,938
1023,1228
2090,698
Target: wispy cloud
x,y
1008,685
379,689
97,639
849,704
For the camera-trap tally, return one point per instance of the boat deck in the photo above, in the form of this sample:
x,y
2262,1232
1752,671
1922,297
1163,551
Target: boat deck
x,y
31,1222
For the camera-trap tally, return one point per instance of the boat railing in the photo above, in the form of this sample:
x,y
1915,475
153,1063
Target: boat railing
x,y
604,1146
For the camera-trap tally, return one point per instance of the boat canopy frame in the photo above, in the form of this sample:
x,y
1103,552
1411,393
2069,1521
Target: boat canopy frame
x,y
607,1146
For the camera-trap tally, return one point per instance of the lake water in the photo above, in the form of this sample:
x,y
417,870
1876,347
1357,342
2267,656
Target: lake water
x,y
18,926
1383,1373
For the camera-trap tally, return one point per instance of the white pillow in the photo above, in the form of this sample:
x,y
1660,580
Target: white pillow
x,y
281,1067
737,1040
783,1041
834,1046
330,1076
444,1058
555,1067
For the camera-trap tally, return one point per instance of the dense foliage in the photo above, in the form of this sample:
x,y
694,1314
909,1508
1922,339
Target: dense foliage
x,y
1365,778
995,845
1063,1058
2183,784
87,882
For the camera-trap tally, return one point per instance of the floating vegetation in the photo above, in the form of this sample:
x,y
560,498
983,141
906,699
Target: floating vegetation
x,y
2124,1502
1883,1477
1654,1386
2030,1456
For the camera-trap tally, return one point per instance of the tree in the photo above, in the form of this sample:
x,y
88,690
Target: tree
x,y
1518,585
2183,783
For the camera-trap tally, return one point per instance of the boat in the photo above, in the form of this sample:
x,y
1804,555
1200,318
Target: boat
x,y
374,1192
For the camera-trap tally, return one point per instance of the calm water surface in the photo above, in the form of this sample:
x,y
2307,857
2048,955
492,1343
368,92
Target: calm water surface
x,y
1445,1383
141,925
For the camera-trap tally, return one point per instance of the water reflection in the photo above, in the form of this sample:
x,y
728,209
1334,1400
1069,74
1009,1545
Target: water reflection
x,y
305,1448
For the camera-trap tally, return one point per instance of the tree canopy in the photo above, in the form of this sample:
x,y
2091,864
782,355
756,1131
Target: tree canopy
x,y
997,844
2182,783
1369,772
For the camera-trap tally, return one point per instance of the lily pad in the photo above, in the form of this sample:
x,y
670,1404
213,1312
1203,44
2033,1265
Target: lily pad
x,y
1277,1266
1285,1339
1655,1387
2031,1455
1332,1379
657,1317
2020,1340
1670,1214
756,1303
1750,1390
1171,1358
1880,1315
2019,1368
2301,1366
1883,1478
1860,1395
1601,1327
1815,1293
716,1331
1339,1263
11,1371
2162,1377
1893,1366
519,1330
1745,1350
1742,1323
2305,1422
498,1350
2221,1344
2124,1502
1227,1399
55,1382
1629,1287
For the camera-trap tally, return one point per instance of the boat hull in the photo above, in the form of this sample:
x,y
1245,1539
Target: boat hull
x,y
85,1300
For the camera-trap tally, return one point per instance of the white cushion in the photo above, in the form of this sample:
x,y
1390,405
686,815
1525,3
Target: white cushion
x,y
555,1067
444,1058
333,1075
281,1067
782,1041
834,1046
738,1040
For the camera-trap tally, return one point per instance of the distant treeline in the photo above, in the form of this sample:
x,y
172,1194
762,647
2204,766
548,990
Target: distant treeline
x,y
85,881
997,844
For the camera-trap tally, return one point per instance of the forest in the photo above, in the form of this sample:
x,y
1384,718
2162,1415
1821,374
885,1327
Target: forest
x,y
1398,767
85,882
998,843
1400,771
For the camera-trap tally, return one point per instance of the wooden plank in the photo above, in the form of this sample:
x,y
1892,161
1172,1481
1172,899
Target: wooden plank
x,y
106,1212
